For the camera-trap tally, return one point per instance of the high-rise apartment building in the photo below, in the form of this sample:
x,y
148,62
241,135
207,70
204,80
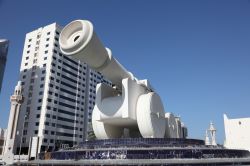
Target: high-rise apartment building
x,y
59,94
3,57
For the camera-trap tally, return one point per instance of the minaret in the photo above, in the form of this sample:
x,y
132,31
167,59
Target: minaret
x,y
212,133
16,101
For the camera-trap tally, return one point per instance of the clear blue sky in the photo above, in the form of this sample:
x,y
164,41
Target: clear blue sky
x,y
195,53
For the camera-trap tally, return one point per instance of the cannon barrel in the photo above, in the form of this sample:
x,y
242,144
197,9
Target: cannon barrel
x,y
79,40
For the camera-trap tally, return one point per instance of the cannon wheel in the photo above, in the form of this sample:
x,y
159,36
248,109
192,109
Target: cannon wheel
x,y
151,116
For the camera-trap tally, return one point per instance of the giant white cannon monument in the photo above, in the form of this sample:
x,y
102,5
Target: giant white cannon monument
x,y
130,105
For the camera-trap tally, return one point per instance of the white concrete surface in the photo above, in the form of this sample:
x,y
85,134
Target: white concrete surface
x,y
237,133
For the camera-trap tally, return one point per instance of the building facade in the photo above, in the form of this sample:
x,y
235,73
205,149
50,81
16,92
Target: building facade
x,y
237,133
3,58
59,94
2,139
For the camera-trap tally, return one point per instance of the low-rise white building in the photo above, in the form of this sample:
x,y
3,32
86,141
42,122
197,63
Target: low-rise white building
x,y
237,133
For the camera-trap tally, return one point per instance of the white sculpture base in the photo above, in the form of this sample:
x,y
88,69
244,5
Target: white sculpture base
x,y
135,109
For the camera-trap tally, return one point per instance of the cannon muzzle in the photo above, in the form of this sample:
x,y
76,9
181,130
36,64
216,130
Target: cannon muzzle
x,y
79,40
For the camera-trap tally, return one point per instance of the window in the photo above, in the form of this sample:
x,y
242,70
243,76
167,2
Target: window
x,y
41,92
40,100
33,74
47,39
36,131
41,86
66,112
30,40
37,123
29,102
48,33
47,45
31,88
45,140
46,51
27,58
39,108
26,124
25,64
45,58
28,51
